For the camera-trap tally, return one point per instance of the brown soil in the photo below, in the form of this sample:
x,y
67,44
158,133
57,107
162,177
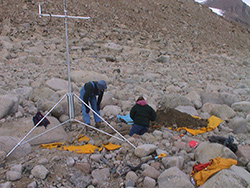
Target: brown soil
x,y
173,118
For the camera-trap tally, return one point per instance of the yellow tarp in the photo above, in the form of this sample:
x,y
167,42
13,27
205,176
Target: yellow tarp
x,y
111,146
52,145
86,148
217,164
213,122
82,138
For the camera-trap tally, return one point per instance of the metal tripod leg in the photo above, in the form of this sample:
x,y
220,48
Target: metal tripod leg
x,y
35,126
69,94
44,132
105,123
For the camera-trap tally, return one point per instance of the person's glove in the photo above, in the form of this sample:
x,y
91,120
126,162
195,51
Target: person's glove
x,y
87,110
98,107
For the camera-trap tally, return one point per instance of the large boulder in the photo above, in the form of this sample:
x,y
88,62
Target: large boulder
x,y
57,84
145,149
244,151
175,100
222,111
211,97
84,76
195,98
111,111
100,176
239,125
57,111
108,99
229,98
57,133
9,105
42,94
243,106
7,143
225,178
174,177
21,127
241,172
187,109
23,93
206,151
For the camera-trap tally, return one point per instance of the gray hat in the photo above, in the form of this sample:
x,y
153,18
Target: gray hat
x,y
101,85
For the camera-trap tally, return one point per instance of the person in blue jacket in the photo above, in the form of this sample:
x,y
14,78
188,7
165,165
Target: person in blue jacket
x,y
142,114
92,92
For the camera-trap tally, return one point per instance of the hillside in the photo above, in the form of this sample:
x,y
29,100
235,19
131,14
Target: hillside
x,y
182,58
181,24
235,10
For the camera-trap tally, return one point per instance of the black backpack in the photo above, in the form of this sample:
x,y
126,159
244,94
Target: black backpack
x,y
228,142
38,117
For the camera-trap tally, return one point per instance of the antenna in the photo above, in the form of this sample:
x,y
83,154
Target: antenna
x,y
69,94
65,16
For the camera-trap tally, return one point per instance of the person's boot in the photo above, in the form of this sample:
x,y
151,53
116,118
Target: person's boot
x,y
97,125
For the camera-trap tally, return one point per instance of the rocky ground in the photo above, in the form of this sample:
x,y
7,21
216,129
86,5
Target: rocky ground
x,y
177,54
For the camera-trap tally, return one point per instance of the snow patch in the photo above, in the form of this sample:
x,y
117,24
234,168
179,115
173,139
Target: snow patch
x,y
200,1
247,2
217,11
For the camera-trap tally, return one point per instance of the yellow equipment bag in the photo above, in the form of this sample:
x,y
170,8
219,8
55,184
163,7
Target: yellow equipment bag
x,y
217,164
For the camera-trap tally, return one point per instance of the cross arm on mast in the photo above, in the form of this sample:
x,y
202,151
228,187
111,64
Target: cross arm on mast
x,y
60,16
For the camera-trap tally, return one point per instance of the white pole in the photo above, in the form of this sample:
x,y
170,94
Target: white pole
x,y
106,122
70,100
65,16
70,95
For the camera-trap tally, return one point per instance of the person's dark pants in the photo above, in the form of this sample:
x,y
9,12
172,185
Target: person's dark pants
x,y
93,102
137,129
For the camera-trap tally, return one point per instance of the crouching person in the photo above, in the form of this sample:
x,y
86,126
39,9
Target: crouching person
x,y
92,92
142,114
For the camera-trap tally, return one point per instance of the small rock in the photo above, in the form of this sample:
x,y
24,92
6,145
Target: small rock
x,y
32,185
39,171
13,175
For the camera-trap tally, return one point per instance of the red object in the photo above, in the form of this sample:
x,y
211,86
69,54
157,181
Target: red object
x,y
192,143
200,166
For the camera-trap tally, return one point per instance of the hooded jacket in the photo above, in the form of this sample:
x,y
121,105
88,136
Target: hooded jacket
x,y
142,113
91,88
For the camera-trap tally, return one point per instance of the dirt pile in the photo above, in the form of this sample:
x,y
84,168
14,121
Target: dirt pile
x,y
173,118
